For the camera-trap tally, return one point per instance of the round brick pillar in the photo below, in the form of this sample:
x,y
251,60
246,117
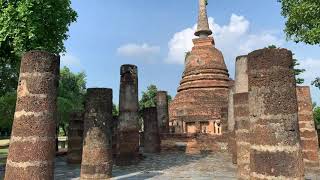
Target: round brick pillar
x,y
151,131
128,139
241,115
114,135
275,150
75,138
97,145
163,111
32,144
308,134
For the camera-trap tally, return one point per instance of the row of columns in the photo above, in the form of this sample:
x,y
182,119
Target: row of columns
x,y
91,134
275,133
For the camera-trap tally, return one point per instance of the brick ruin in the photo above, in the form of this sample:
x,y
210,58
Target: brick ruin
x,y
128,135
151,130
261,116
241,115
162,111
75,137
308,134
275,150
203,92
32,144
97,157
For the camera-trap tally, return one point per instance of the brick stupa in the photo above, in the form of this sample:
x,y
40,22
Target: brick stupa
x,y
202,98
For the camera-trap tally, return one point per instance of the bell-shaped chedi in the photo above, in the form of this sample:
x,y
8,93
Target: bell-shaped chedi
x,y
201,102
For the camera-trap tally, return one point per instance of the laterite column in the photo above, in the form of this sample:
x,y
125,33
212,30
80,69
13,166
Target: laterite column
x,y
308,134
97,145
128,139
75,138
275,151
241,113
151,131
163,111
32,144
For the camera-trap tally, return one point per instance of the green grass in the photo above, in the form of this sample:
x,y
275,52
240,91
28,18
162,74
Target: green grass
x,y
3,155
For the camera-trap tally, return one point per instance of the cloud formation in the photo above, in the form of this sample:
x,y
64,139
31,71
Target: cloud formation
x,y
312,67
232,39
139,51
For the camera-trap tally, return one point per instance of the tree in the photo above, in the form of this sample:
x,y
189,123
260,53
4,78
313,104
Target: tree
x,y
72,90
7,109
30,25
316,82
115,110
149,97
298,72
303,20
316,115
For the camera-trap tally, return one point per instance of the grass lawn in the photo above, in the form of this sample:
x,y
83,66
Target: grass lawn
x,y
3,155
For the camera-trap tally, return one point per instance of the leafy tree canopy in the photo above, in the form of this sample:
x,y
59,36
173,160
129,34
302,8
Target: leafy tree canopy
x,y
148,98
303,20
316,114
72,89
316,82
35,24
30,25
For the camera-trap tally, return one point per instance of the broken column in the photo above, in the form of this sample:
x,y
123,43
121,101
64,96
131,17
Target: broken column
x,y
128,140
75,138
162,111
151,131
32,144
114,135
241,115
308,134
231,123
97,144
275,150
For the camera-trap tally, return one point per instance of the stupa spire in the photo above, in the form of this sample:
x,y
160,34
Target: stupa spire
x,y
203,29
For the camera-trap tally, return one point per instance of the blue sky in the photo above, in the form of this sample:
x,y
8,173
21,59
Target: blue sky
x,y
154,35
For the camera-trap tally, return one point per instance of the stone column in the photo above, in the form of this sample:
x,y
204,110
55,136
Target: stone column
x,y
151,131
97,144
32,144
114,135
128,144
275,150
308,134
162,111
231,123
75,138
241,115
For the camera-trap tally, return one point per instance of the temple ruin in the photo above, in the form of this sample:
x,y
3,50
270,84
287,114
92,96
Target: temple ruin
x,y
204,88
261,118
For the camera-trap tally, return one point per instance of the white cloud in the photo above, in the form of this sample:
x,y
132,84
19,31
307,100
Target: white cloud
x,y
70,60
139,51
233,39
312,67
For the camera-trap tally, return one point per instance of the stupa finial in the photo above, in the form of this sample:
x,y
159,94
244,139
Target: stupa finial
x,y
203,29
